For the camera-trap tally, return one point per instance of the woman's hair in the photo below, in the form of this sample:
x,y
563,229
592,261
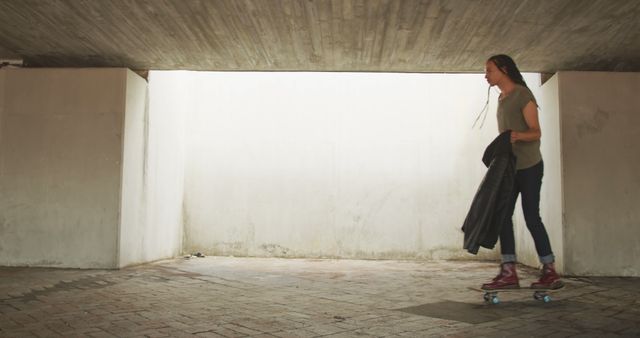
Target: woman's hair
x,y
506,65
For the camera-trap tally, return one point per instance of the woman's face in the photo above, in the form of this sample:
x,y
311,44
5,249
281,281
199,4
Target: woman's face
x,y
492,74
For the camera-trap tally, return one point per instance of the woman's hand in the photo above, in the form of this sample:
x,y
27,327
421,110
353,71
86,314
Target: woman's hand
x,y
514,136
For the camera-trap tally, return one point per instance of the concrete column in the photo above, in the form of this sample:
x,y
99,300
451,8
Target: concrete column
x,y
75,186
600,115
60,159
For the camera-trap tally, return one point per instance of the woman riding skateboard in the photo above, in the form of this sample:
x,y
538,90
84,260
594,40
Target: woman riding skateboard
x,y
518,112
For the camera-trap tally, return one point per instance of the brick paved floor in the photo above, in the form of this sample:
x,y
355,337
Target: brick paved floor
x,y
256,297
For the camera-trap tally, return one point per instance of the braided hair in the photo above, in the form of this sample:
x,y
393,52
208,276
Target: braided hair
x,y
507,66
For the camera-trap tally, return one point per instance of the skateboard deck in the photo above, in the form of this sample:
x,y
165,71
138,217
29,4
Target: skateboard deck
x,y
491,296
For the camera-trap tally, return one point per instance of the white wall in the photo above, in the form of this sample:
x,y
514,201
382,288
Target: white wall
x,y
164,175
601,165
551,193
299,164
151,226
60,143
134,228
331,164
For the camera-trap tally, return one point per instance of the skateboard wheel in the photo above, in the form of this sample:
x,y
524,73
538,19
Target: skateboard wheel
x,y
542,296
495,300
486,297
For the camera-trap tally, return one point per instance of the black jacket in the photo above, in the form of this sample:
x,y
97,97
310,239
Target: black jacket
x,y
489,209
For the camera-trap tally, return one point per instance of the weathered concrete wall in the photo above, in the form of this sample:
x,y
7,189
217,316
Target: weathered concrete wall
x,y
339,165
310,166
2,88
60,158
164,175
134,230
601,164
551,193
88,178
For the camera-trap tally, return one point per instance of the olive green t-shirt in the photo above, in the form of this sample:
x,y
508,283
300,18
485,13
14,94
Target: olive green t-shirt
x,y
511,117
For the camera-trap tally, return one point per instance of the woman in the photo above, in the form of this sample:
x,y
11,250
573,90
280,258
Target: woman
x,y
518,112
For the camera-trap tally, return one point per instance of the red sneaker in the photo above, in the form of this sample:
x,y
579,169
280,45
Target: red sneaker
x,y
507,278
549,279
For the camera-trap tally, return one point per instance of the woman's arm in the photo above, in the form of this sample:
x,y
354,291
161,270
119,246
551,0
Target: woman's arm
x,y
530,113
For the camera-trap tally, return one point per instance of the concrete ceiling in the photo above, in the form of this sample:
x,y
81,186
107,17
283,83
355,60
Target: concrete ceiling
x,y
322,35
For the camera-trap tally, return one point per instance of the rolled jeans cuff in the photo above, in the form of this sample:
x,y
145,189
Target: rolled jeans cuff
x,y
550,258
508,258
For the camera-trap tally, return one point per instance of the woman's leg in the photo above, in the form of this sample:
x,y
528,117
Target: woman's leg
x,y
507,239
507,277
530,182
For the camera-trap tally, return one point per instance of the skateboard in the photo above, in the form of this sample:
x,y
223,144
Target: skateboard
x,y
491,296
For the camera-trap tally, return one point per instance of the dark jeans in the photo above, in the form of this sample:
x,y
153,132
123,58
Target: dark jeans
x,y
528,183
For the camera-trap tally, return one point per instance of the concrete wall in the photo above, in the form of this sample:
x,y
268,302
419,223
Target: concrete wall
x,y
151,217
3,76
60,158
326,164
551,193
88,179
298,164
601,164
164,176
134,229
